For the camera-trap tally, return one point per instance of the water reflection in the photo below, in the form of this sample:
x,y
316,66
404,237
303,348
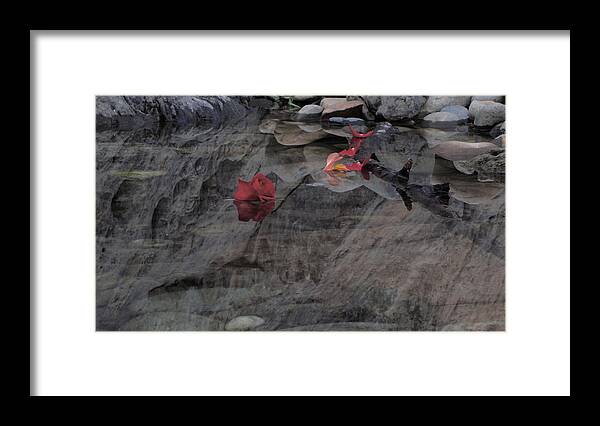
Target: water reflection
x,y
425,249
254,199
253,210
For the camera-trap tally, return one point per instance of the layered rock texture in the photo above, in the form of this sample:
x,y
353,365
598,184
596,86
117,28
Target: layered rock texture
x,y
172,254
129,112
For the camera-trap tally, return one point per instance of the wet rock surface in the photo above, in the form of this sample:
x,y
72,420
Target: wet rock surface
x,y
172,254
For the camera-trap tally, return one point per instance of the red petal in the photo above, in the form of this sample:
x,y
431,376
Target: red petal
x,y
264,187
263,210
248,210
355,167
245,192
360,135
358,166
331,160
356,142
348,152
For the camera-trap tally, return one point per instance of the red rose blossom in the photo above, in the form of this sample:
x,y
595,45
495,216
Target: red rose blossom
x,y
254,200
260,188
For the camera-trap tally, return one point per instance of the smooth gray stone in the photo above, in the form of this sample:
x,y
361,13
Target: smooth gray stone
x,y
309,112
443,119
347,120
437,103
486,113
311,109
499,99
244,323
457,110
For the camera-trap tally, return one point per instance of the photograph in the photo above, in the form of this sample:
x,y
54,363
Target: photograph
x,y
300,213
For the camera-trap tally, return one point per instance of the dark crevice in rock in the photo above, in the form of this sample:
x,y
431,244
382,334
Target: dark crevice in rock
x,y
289,194
179,284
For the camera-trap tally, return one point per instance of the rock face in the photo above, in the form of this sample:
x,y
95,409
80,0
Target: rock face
x,y
171,253
130,112
394,108
437,103
486,113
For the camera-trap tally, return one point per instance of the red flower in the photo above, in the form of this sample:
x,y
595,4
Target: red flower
x,y
245,192
254,200
354,144
333,163
335,166
264,187
260,188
